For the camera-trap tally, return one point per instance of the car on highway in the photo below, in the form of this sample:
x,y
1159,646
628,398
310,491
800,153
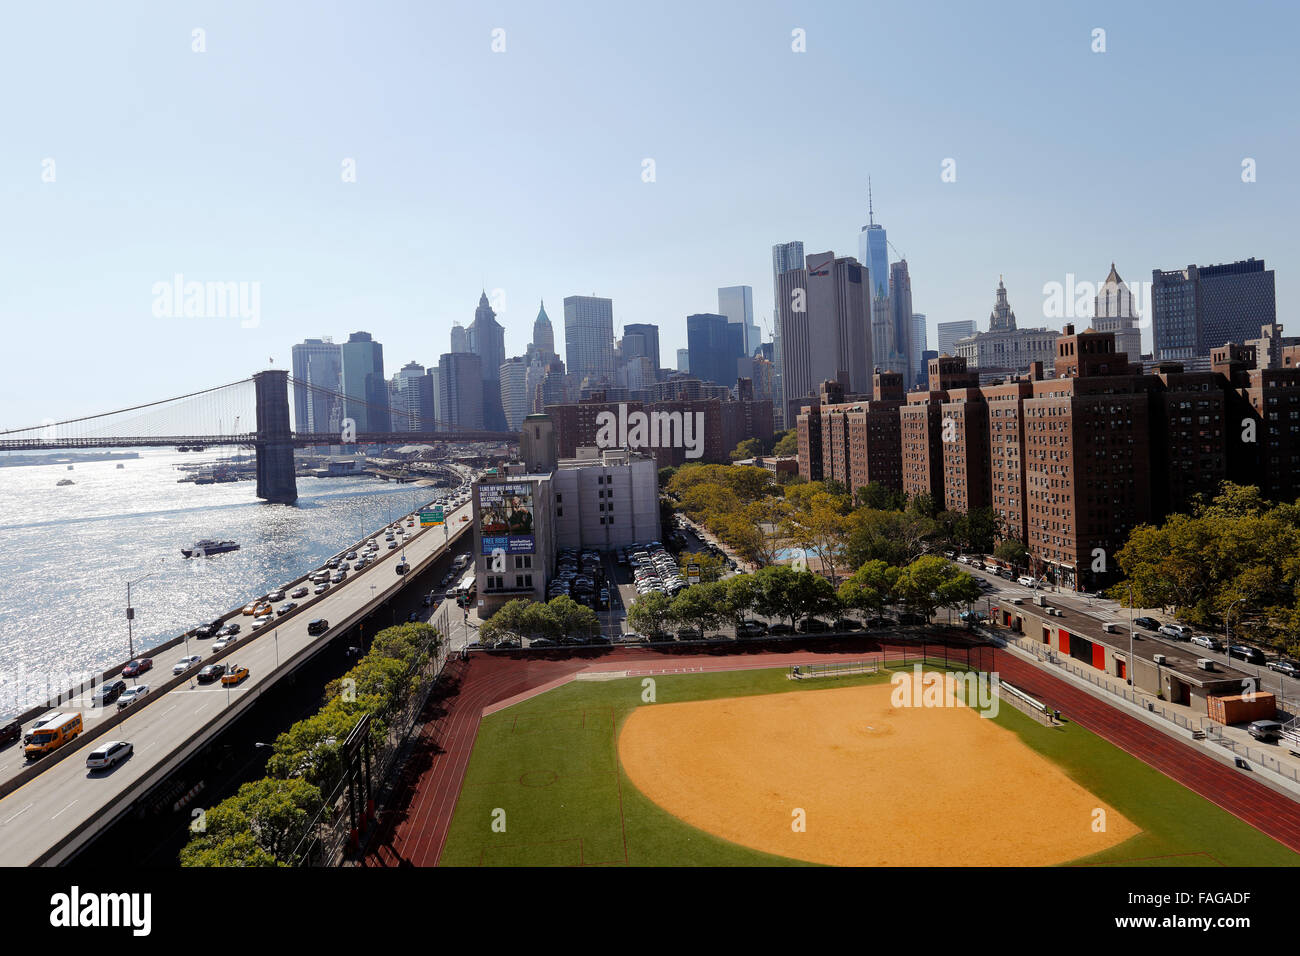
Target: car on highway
x,y
402,568
131,695
1150,623
251,607
1175,632
223,643
1207,642
235,675
1289,668
1251,655
213,672
261,622
185,663
108,754
392,545
137,666
230,629
275,596
321,588
11,732
318,626
107,693
351,556
285,608
203,630
299,593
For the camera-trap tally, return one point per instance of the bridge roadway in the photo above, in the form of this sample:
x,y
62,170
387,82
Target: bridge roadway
x,y
45,820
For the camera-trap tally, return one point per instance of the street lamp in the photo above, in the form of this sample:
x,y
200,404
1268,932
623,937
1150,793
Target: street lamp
x,y
130,614
1227,625
1129,667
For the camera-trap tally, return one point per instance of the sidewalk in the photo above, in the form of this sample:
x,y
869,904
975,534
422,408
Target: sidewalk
x,y
1275,765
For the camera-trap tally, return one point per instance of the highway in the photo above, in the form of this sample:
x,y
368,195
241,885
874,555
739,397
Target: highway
x,y
163,730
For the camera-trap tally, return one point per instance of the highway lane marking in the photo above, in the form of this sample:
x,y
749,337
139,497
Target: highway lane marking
x,y
64,810
20,813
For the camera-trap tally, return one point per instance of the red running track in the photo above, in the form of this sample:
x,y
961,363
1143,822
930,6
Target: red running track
x,y
414,830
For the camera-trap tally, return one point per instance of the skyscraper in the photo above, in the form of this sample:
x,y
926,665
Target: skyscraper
x,y
487,340
950,332
543,333
365,391
414,406
873,250
514,392
919,345
1200,308
459,338
460,381
317,363
1113,312
589,338
900,304
736,302
786,257
644,342
683,360
714,345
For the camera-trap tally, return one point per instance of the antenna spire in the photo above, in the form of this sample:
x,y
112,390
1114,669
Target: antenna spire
x,y
871,212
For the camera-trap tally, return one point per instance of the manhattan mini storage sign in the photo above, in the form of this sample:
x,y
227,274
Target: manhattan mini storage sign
x,y
506,517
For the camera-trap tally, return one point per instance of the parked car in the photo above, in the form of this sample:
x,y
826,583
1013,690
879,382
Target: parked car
x,y
1289,668
318,626
107,693
1027,581
751,629
880,622
1251,655
1208,642
107,755
185,663
909,618
846,624
1175,632
131,695
780,628
1150,623
137,666
813,625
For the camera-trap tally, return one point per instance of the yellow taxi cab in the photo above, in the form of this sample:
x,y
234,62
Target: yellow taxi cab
x,y
234,675
263,609
251,607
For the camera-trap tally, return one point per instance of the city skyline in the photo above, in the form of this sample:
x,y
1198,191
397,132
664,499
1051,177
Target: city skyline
x,y
332,256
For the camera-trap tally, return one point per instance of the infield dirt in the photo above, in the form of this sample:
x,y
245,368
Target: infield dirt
x,y
878,785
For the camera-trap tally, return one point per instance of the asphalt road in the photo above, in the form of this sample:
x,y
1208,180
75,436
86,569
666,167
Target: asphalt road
x,y
40,812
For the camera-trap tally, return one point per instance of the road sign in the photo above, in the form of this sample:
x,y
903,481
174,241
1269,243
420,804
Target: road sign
x,y
692,574
432,518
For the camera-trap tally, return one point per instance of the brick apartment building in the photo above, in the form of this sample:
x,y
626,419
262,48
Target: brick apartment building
x,y
1072,464
723,426
854,442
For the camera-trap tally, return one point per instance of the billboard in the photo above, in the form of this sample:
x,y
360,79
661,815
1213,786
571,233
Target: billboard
x,y
506,517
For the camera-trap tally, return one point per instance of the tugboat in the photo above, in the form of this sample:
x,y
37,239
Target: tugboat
x,y
208,547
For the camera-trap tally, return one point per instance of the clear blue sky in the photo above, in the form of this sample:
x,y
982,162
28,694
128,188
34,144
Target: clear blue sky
x,y
521,170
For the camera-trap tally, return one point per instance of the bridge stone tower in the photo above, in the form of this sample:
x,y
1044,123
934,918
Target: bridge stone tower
x,y
274,443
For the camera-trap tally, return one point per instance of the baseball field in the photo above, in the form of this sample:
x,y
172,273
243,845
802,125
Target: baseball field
x,y
751,768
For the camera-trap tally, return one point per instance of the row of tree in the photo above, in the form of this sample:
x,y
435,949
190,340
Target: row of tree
x,y
265,823
921,587
1236,556
561,616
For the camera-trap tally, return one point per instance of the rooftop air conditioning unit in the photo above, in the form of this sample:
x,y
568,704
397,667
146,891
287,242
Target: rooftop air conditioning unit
x,y
1205,663
1158,658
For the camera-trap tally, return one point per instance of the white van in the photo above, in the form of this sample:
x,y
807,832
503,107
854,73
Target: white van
x,y
1027,581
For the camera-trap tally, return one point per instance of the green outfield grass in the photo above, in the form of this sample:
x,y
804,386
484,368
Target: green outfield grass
x,y
551,764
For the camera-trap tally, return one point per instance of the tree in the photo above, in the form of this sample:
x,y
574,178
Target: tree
x,y
930,582
819,529
922,504
870,589
712,567
666,476
811,595
786,444
700,605
1012,552
895,537
775,592
514,619
749,448
571,618
876,496
651,613
263,824
742,595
